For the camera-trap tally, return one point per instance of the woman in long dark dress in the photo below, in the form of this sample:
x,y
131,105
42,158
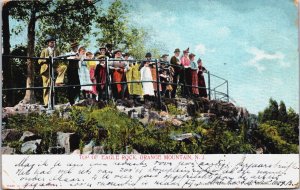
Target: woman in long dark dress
x,y
201,80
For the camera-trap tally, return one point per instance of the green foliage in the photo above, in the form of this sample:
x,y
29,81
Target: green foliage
x,y
282,112
173,110
285,131
275,143
278,129
293,118
118,31
221,139
270,113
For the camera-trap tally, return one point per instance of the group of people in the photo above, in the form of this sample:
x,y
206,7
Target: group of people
x,y
128,77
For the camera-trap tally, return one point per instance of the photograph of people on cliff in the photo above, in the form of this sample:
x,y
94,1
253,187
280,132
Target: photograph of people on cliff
x,y
150,77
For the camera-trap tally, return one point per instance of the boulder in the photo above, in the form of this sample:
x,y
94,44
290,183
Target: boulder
x,y
77,151
259,150
176,122
160,124
6,112
134,152
164,115
56,150
98,150
70,141
126,103
88,148
7,150
183,117
33,146
153,116
28,136
181,137
185,137
10,135
87,102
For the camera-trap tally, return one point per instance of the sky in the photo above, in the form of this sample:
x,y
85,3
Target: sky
x,y
252,44
257,41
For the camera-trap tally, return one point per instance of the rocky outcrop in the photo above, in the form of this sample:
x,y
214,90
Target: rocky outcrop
x,y
22,108
56,150
29,136
33,147
69,141
10,135
7,150
198,109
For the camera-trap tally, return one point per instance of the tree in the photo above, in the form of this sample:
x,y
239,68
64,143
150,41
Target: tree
x,y
282,112
118,31
113,24
6,63
270,113
66,19
293,118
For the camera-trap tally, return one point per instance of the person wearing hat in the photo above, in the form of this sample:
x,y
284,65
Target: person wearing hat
x,y
147,58
91,65
102,50
185,74
119,69
133,74
50,51
152,65
146,78
100,77
164,74
84,73
185,61
72,74
201,80
109,51
193,76
175,65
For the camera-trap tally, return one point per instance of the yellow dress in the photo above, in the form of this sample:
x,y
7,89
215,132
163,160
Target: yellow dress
x,y
133,74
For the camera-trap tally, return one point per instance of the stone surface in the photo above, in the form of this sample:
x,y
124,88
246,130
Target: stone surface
x,y
176,122
183,117
77,151
32,147
70,141
28,136
98,150
185,137
134,152
88,148
153,116
10,135
7,150
56,150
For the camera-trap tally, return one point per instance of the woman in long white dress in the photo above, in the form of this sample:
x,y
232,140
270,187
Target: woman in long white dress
x,y
146,75
83,72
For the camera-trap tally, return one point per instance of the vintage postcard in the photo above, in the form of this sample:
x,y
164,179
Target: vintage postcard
x,y
162,94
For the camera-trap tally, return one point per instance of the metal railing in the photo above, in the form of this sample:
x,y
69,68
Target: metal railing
x,y
213,93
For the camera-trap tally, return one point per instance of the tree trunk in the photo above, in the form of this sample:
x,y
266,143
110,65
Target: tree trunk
x,y
29,95
6,63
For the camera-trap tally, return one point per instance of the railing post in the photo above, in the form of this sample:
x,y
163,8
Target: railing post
x,y
157,85
51,90
107,82
184,83
209,93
